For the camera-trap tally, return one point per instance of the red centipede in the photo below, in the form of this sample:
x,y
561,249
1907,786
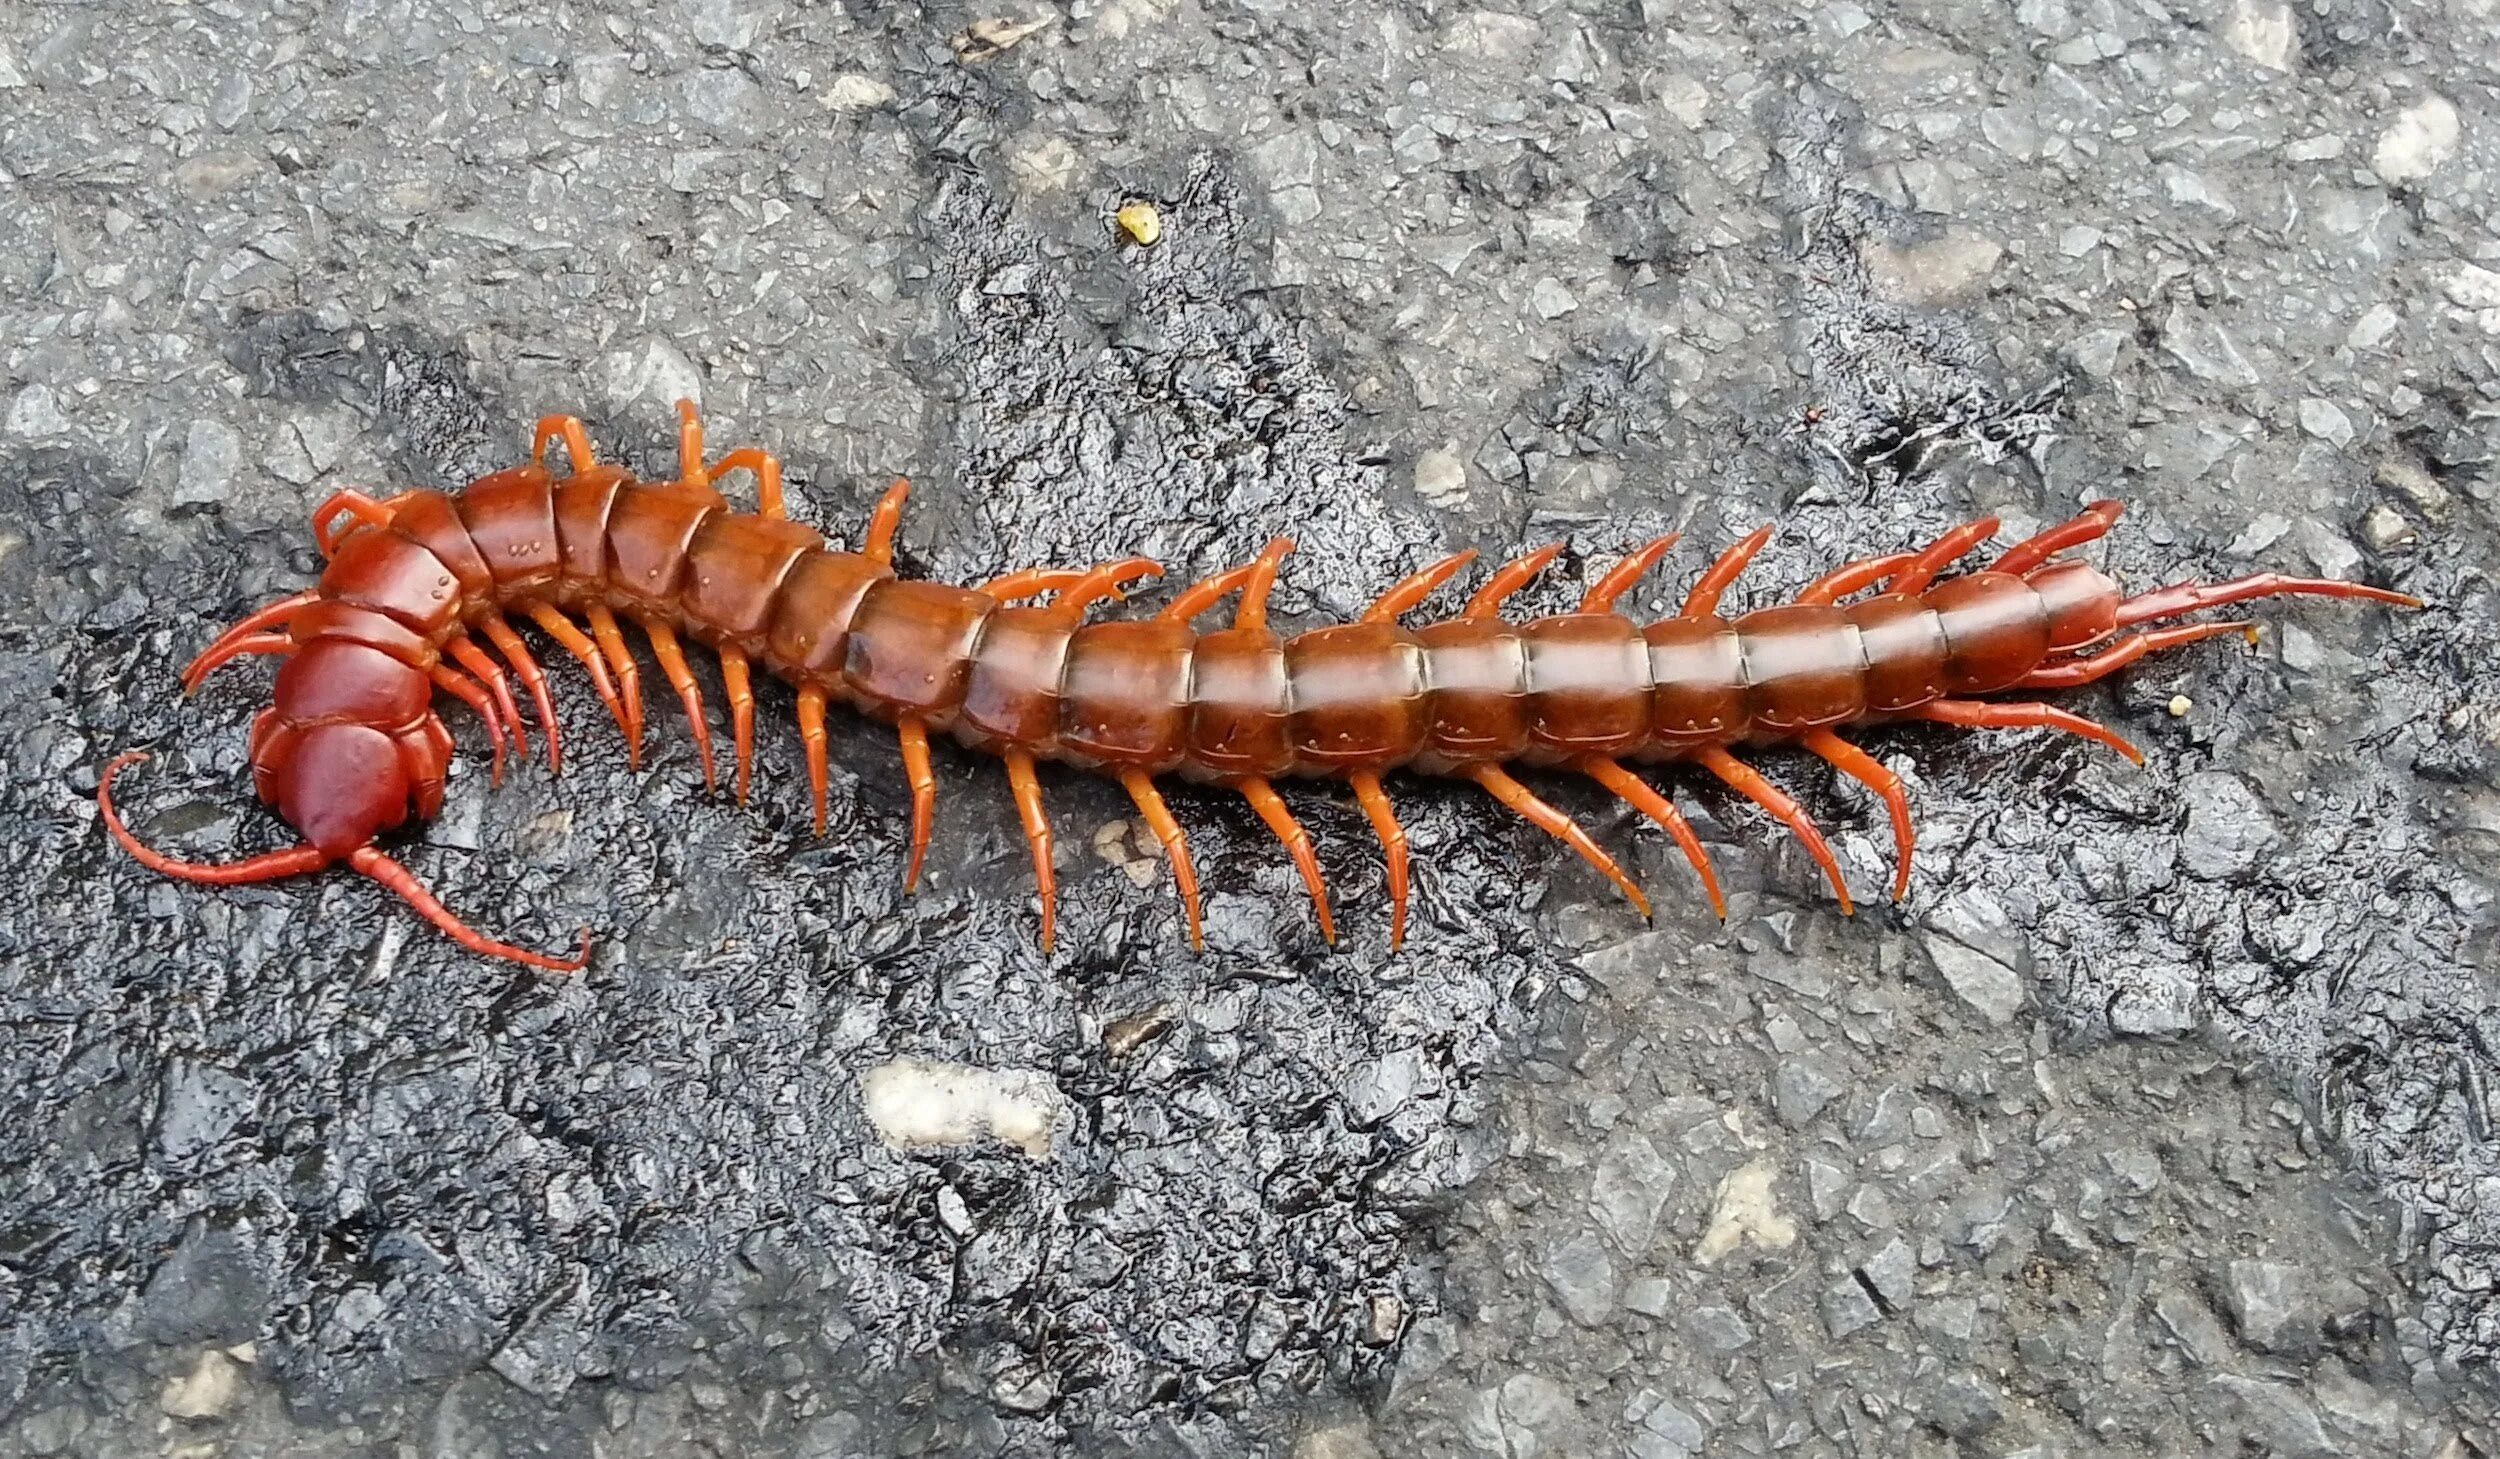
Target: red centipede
x,y
421,591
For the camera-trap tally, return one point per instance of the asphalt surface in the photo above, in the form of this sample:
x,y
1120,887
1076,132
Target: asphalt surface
x,y
2156,1121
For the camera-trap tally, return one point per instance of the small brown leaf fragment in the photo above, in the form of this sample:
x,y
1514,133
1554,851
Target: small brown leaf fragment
x,y
985,40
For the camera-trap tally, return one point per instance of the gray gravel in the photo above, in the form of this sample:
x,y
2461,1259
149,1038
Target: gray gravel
x,y
2157,1121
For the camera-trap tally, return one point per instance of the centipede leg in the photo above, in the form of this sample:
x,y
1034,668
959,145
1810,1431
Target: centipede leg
x,y
812,735
1600,598
1849,577
610,637
490,673
1028,790
690,469
2189,597
878,545
2075,673
364,508
1865,769
1704,598
1412,589
1384,819
680,676
399,880
1272,809
1554,823
577,643
1980,714
1945,551
735,684
2094,522
914,734
1643,797
1747,782
767,469
1141,789
516,653
1509,578
469,692
576,441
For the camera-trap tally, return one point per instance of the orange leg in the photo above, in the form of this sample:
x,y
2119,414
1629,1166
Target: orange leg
x,y
577,643
734,682
516,653
271,616
364,508
1977,714
611,641
2180,598
270,866
1271,808
1704,599
397,877
1600,598
879,545
1254,578
1554,823
1412,589
2075,673
1028,789
2029,553
1945,551
812,734
576,441
1141,789
690,469
490,673
680,677
1865,769
915,736
1747,782
469,692
1645,799
1105,581
767,469
1031,582
1384,819
1509,579
1848,578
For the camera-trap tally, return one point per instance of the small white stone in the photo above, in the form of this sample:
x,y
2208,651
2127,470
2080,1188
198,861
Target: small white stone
x,y
2263,31
2375,324
2469,286
36,414
2326,420
1550,299
655,371
2386,530
207,1391
2079,240
2323,148
2423,136
211,454
856,91
1935,272
1745,1213
918,1104
1491,33
1441,478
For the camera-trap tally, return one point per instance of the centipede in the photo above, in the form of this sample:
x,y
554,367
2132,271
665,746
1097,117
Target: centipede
x,y
421,592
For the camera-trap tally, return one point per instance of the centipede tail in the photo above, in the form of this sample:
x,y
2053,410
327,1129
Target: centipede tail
x,y
422,591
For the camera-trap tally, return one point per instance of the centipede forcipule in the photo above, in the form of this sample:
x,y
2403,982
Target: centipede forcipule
x,y
421,590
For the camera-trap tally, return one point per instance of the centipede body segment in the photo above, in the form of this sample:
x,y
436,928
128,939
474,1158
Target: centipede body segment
x,y
422,589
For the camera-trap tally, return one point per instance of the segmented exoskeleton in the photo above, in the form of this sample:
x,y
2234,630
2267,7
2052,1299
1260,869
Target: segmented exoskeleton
x,y
419,587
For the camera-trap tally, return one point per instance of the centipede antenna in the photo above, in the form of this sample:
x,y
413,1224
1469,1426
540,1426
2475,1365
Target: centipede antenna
x,y
401,881
269,866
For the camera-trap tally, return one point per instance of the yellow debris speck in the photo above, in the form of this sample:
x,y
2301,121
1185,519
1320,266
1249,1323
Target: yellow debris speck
x,y
1142,224
2180,704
